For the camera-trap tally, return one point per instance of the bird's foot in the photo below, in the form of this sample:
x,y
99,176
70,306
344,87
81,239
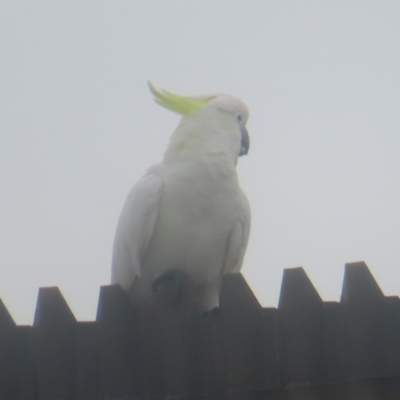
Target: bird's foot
x,y
169,287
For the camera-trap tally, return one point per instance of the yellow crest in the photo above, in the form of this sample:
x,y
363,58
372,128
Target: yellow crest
x,y
180,104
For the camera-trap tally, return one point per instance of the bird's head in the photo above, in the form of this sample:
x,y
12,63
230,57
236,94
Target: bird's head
x,y
229,111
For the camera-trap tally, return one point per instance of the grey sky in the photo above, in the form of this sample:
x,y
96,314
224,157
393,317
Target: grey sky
x,y
79,127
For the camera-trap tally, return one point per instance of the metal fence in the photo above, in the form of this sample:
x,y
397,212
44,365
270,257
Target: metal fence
x,y
304,349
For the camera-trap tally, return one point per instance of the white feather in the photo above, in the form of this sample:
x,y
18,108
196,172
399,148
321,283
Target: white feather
x,y
135,229
238,238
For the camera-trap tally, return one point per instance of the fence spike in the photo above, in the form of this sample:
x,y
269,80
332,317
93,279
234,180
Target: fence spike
x,y
297,289
359,285
51,307
236,293
6,320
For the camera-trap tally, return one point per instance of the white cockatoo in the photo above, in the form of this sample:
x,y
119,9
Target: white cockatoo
x,y
187,218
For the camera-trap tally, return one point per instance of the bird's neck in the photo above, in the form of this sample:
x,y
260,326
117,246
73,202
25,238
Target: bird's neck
x,y
204,141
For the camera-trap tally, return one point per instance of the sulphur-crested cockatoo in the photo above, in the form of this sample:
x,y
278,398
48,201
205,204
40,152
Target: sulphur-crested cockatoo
x,y
187,216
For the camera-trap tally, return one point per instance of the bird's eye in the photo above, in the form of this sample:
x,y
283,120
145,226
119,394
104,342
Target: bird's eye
x,y
239,117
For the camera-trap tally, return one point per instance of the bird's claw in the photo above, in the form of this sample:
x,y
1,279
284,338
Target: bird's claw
x,y
169,286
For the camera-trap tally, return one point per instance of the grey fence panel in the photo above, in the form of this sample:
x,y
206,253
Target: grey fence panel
x,y
364,308
300,330
335,364
171,348
86,361
213,366
392,336
118,342
56,347
249,340
8,359
25,358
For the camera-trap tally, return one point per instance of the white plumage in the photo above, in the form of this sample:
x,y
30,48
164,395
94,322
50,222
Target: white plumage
x,y
188,212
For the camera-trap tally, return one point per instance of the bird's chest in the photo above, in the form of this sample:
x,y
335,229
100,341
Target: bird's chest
x,y
197,211
199,195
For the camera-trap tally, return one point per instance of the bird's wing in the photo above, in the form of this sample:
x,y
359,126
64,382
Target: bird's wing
x,y
238,239
135,229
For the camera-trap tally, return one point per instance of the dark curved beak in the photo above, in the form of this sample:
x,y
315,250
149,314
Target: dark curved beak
x,y
245,142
